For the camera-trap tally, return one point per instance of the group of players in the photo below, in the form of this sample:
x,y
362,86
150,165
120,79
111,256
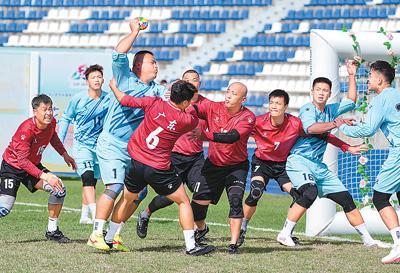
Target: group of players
x,y
144,134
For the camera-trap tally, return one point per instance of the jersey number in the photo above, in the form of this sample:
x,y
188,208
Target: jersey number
x,y
152,140
8,183
309,176
276,143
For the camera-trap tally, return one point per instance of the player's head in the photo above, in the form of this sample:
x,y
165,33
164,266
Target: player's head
x,y
278,102
182,93
164,82
321,90
42,106
94,77
145,66
193,77
235,95
380,76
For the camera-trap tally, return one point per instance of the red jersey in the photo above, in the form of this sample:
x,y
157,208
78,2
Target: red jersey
x,y
219,120
28,143
163,124
186,144
275,142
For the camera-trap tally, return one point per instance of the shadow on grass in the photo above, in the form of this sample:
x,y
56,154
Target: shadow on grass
x,y
163,248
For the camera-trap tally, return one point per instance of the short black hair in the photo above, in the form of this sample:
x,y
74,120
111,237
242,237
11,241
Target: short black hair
x,y
190,71
323,80
181,91
385,69
93,68
280,93
42,98
140,54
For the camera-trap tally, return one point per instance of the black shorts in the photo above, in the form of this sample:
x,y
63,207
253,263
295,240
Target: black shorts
x,y
11,178
188,168
215,179
139,175
269,170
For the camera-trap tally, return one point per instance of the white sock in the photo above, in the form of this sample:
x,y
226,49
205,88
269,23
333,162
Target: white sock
x,y
395,232
52,225
145,214
120,228
288,227
112,230
189,239
365,236
244,223
84,211
98,226
92,210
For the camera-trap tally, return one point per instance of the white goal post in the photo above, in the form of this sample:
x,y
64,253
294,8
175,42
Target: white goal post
x,y
327,48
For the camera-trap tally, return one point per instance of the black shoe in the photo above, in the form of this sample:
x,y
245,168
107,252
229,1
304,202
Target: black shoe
x,y
141,226
57,236
296,240
233,249
242,236
199,250
199,235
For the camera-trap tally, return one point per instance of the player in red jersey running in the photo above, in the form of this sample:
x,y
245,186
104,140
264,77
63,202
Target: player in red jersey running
x,y
275,134
150,147
21,164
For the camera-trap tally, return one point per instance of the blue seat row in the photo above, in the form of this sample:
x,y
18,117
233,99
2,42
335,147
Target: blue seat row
x,y
242,69
214,85
202,28
209,15
88,28
132,3
166,55
275,40
341,13
178,41
107,15
12,27
265,56
391,2
286,27
335,2
331,26
22,14
361,87
257,101
201,69
3,40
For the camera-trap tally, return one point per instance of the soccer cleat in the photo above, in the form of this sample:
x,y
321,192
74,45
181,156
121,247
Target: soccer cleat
x,y
97,241
242,236
393,257
86,221
377,243
233,249
200,234
285,240
141,226
118,244
296,240
199,250
57,236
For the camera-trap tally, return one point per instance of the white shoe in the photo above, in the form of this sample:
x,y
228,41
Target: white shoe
x,y
86,221
377,243
393,257
285,240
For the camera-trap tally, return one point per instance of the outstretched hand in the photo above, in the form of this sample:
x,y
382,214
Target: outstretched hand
x,y
351,67
340,121
134,25
358,149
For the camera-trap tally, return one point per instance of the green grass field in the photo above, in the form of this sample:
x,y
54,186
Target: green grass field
x,y
24,248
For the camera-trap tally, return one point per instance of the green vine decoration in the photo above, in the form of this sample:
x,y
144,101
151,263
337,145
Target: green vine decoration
x,y
394,60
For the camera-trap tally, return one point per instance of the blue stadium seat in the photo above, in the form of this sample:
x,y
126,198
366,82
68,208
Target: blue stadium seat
x,y
83,28
383,12
73,28
355,13
215,15
244,14
164,26
250,70
232,70
2,27
255,56
291,15
1,14
95,15
174,55
216,85
195,14
346,13
205,15
11,27
201,28
105,15
289,41
264,56
247,56
318,14
328,14
337,13
206,85
47,3
261,40
20,15
299,15
273,56
244,41
270,40
164,55
94,28
10,15
234,15
221,28
281,56
280,41
189,40
224,14
285,28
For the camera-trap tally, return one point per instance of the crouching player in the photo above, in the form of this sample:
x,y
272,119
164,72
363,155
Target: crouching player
x,y
21,164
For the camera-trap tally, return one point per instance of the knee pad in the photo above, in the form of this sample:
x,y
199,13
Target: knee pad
x,y
235,197
295,196
256,191
113,190
381,200
56,194
344,199
53,199
308,193
142,195
159,202
199,211
6,204
88,179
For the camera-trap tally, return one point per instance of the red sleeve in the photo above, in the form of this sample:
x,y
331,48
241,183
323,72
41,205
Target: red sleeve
x,y
202,107
22,148
337,142
246,125
57,144
134,102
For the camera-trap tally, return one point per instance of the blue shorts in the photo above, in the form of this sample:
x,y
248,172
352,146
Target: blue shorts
x,y
86,159
303,171
113,157
388,179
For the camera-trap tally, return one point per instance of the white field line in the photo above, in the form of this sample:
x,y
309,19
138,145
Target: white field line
x,y
332,238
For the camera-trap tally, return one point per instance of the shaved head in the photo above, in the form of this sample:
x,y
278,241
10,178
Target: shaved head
x,y
240,88
235,95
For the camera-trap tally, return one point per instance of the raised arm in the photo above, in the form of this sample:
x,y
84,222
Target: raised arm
x,y
66,119
126,43
352,70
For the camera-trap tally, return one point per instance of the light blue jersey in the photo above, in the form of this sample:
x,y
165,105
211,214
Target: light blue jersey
x,y
314,148
87,115
384,114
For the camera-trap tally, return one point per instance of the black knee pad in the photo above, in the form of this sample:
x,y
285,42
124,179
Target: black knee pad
x,y
381,200
199,211
256,191
398,196
344,199
159,202
295,195
88,179
235,198
308,193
